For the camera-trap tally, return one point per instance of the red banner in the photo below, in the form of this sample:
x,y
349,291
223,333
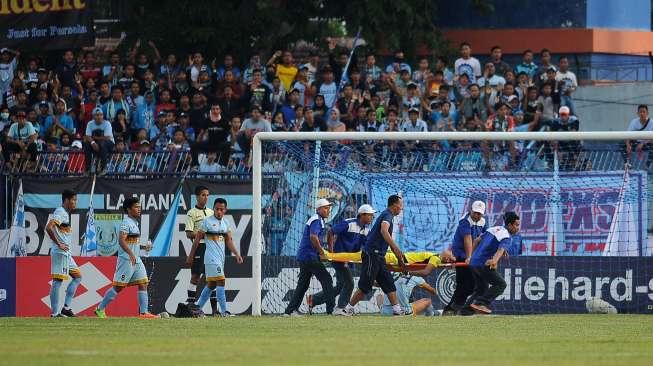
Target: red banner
x,y
33,287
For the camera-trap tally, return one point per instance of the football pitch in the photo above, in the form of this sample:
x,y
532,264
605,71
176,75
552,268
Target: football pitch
x,y
321,340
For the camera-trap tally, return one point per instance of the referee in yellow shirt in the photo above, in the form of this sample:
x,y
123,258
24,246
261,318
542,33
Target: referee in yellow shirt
x,y
194,218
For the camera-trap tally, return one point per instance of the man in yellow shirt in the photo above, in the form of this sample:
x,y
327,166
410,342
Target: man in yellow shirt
x,y
194,218
434,260
286,70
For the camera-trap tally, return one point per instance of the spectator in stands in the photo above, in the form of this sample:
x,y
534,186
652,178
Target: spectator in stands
x,y
500,66
545,64
501,121
333,122
567,84
178,142
32,118
65,141
120,125
641,123
158,134
371,69
196,66
143,118
21,139
490,78
278,123
328,89
257,92
184,125
442,119
277,95
256,123
288,109
181,85
8,65
214,138
98,139
60,122
90,69
210,165
474,108
295,124
140,136
67,70
527,65
230,80
398,64
165,102
228,65
346,105
369,124
116,103
312,66
414,123
568,151
410,99
546,103
312,123
467,64
199,112
531,112
336,64
169,70
284,67
5,121
319,106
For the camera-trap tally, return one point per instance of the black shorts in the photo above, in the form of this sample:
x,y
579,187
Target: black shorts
x,y
374,269
198,262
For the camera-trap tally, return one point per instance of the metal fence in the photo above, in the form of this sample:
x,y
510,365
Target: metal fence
x,y
288,157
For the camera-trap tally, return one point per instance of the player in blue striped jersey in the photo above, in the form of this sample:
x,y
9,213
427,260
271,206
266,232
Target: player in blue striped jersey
x,y
216,234
130,270
62,262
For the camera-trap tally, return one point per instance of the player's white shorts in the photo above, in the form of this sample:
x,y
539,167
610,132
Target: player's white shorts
x,y
63,264
214,272
128,274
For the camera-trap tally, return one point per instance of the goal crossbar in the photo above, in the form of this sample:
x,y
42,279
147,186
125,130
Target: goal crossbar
x,y
257,163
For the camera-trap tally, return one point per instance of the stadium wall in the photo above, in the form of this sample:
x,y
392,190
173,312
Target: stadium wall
x,y
536,285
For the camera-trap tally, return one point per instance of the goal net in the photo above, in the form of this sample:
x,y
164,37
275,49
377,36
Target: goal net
x,y
581,198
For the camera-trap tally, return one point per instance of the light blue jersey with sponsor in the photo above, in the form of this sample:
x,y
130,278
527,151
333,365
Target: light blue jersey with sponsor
x,y
62,229
130,227
405,286
215,234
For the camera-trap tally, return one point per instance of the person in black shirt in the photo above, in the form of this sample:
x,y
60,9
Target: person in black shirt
x,y
214,138
312,123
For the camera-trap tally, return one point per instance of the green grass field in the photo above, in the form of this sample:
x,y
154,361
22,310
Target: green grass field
x,y
320,340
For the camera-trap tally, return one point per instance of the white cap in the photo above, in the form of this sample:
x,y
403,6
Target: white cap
x,y
478,206
366,209
77,144
322,202
563,110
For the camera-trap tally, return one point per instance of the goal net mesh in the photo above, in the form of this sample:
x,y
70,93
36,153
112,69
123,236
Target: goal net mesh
x,y
578,201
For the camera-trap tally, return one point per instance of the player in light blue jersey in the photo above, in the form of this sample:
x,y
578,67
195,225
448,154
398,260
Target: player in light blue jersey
x,y
130,270
62,262
216,234
405,285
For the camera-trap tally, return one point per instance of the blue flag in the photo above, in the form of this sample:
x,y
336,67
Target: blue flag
x,y
17,235
163,239
90,241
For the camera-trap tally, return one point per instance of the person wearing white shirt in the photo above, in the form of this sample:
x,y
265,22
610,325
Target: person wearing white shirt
x,y
567,84
467,64
413,123
641,123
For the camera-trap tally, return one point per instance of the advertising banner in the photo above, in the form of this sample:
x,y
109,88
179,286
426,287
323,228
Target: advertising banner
x,y
156,197
50,25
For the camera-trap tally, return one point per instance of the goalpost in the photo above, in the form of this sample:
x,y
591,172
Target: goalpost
x,y
540,165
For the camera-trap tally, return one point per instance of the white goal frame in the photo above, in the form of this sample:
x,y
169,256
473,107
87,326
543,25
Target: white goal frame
x,y
261,137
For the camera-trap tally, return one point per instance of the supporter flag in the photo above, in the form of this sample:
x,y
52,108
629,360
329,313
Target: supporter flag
x,y
623,236
343,77
163,239
15,246
89,248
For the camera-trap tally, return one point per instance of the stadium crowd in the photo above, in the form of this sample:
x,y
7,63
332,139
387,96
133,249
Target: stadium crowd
x,y
96,103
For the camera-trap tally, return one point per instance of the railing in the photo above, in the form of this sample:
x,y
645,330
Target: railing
x,y
294,156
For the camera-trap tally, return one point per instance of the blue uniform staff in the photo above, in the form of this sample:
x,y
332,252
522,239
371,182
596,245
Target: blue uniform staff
x,y
308,255
468,233
494,244
373,259
347,236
